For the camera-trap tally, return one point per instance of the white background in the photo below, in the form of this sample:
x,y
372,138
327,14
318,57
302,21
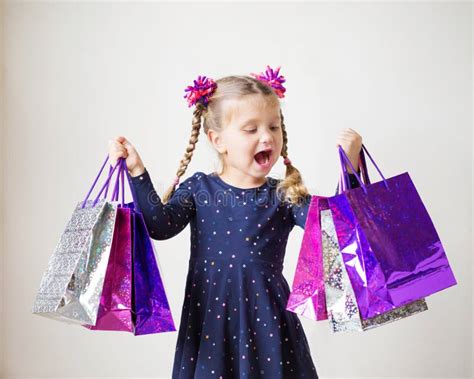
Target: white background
x,y
74,75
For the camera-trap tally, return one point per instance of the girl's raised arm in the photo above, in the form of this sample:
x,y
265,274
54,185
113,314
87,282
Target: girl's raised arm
x,y
164,221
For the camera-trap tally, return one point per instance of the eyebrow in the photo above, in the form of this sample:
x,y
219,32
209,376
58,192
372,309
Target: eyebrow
x,y
250,120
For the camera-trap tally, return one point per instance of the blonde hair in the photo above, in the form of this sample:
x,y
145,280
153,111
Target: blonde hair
x,y
291,188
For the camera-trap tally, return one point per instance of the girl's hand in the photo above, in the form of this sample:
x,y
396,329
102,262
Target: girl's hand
x,y
120,147
351,143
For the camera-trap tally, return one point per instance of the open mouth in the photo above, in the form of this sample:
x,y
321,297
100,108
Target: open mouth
x,y
263,157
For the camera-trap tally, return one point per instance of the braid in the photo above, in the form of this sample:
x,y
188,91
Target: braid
x,y
284,149
183,165
292,187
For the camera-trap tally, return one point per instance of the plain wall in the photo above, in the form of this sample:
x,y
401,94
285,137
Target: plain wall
x,y
78,74
2,203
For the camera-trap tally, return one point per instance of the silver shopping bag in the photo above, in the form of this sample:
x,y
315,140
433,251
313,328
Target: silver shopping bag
x,y
71,286
342,309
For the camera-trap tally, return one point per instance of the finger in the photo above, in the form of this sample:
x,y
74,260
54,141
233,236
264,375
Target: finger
x,y
347,133
114,143
357,134
344,139
352,132
350,137
118,149
126,142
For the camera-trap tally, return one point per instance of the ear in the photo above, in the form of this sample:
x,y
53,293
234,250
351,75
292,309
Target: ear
x,y
217,141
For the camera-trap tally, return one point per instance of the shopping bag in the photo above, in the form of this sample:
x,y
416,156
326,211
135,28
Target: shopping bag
x,y
134,298
152,313
307,297
342,309
115,309
389,245
71,286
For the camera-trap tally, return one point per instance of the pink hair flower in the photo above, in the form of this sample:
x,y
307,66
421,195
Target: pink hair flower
x,y
273,79
201,91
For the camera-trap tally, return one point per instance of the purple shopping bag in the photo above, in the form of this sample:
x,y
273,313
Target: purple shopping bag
x,y
151,310
115,309
152,313
390,247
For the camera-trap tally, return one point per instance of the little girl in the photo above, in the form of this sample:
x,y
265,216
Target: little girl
x,y
234,322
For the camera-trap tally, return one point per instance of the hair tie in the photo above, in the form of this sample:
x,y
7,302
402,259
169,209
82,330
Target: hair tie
x,y
176,180
202,90
287,161
273,79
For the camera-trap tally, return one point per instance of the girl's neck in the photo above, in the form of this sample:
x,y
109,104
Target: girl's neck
x,y
240,179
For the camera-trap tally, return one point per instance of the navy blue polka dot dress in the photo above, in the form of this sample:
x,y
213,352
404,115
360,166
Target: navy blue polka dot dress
x,y
234,322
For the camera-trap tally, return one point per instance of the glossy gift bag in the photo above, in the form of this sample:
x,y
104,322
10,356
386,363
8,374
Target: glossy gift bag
x,y
115,310
134,298
307,297
389,245
152,313
341,304
71,286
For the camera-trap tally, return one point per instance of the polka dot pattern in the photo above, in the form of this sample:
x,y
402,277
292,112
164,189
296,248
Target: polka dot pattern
x,y
234,322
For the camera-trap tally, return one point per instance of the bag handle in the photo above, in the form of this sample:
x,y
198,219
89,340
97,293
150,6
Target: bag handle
x,y
124,171
105,184
343,177
124,168
132,191
116,186
114,197
117,189
107,188
362,166
344,159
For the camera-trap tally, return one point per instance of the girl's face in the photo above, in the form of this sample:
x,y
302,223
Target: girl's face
x,y
251,139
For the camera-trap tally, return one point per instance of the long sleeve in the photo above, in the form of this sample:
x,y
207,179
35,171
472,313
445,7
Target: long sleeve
x,y
164,221
300,213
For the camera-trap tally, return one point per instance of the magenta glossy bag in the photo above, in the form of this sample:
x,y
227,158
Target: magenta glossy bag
x,y
307,297
115,309
391,250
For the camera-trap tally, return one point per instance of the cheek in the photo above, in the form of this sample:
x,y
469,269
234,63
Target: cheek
x,y
245,144
242,147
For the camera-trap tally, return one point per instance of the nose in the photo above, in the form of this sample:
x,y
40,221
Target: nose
x,y
265,136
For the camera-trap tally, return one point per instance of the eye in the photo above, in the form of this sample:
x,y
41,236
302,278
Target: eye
x,y
275,127
251,131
